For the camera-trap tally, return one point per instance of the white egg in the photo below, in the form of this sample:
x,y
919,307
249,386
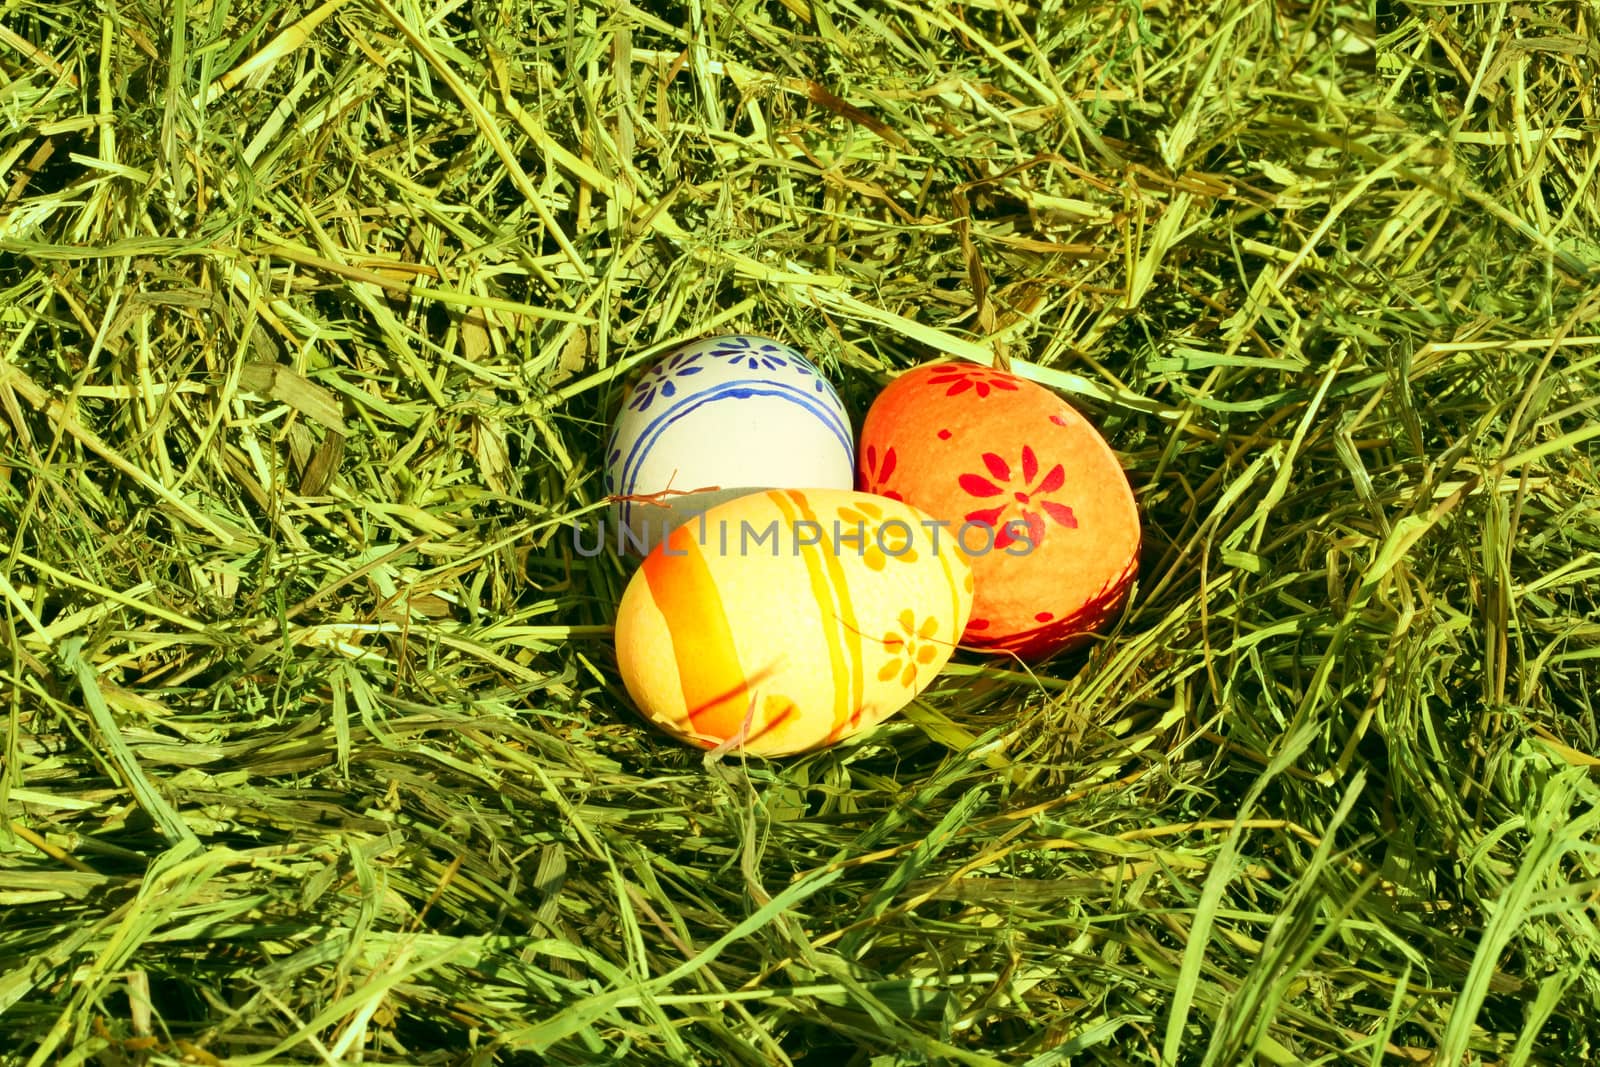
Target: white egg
x,y
716,420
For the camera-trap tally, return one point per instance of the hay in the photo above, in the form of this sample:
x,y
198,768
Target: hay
x,y
312,321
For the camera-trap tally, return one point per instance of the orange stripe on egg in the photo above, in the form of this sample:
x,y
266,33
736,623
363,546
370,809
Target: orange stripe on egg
x,y
715,686
779,710
829,587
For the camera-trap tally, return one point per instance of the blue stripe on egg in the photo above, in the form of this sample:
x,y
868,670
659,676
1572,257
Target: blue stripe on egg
x,y
828,415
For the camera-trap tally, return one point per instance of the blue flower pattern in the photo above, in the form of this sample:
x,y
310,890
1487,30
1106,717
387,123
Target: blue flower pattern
x,y
658,379
816,381
768,357
743,352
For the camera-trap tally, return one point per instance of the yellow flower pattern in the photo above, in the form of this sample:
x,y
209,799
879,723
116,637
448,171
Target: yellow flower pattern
x,y
909,649
878,545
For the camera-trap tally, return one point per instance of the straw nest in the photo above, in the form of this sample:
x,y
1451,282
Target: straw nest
x,y
313,320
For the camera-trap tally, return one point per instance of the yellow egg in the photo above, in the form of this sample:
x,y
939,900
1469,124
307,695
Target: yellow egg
x,y
785,620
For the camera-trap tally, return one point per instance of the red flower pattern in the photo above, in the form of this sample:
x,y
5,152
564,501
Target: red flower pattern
x,y
878,475
960,379
1026,496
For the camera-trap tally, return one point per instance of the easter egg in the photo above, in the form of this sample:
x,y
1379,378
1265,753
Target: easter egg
x,y
1029,489
719,419
790,619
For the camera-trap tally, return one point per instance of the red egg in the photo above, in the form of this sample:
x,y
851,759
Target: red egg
x,y
1031,491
